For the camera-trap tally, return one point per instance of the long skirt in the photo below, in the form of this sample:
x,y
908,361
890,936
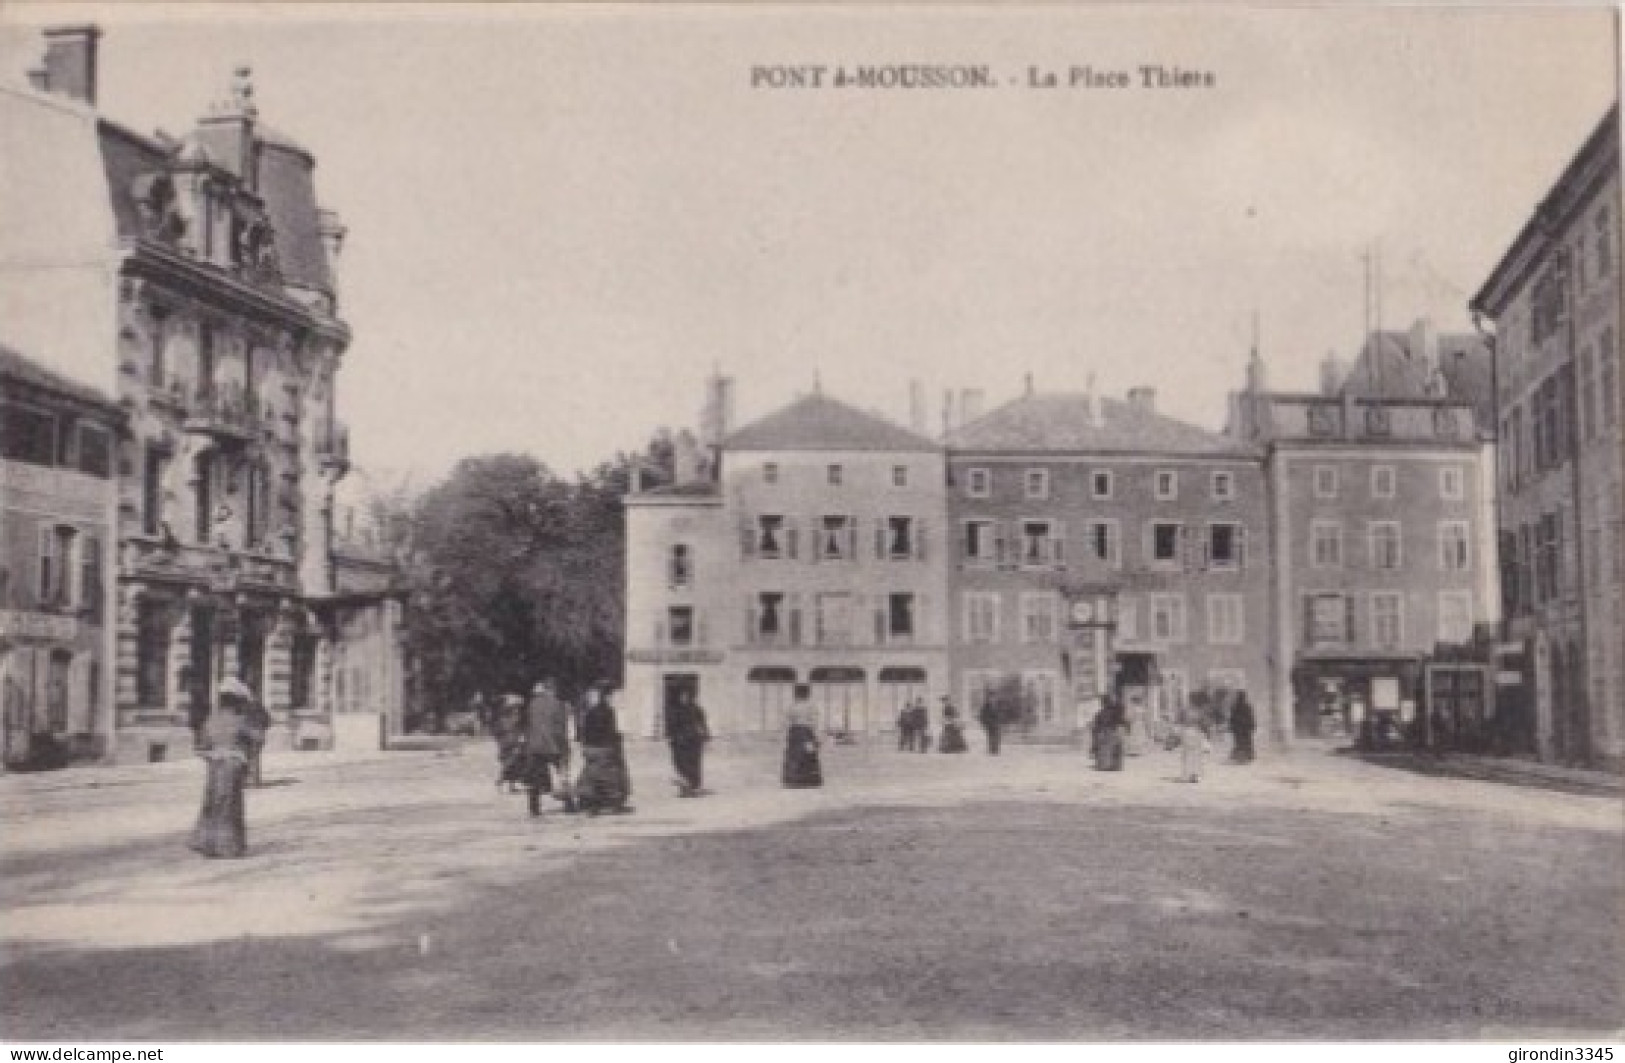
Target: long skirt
x,y
801,766
1109,749
1243,751
1193,748
687,759
221,829
603,784
953,739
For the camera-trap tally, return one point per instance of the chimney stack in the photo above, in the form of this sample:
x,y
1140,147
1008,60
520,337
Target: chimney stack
x,y
70,61
716,417
1143,399
1424,345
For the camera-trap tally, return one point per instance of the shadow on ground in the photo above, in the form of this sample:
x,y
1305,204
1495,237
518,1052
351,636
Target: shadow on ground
x,y
1012,920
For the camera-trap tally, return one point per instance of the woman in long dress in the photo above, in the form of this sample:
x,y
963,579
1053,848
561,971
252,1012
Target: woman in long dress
x,y
1193,743
604,785
1109,725
222,829
801,765
953,734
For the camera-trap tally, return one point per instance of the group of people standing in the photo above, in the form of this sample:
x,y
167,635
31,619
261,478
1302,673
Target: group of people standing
x,y
230,737
1193,737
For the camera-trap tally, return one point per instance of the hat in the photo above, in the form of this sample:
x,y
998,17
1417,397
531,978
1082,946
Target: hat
x,y
236,688
542,684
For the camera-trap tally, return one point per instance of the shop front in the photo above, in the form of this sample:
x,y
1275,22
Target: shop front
x,y
1370,700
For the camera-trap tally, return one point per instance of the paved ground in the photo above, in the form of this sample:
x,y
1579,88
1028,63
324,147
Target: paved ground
x,y
915,897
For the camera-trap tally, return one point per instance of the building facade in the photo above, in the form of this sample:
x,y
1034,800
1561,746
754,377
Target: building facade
x,y
1554,302
57,510
202,271
1379,524
808,552
1100,547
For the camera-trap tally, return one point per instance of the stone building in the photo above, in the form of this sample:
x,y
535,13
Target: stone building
x,y
1554,302
804,549
1379,523
58,439
1096,546
193,278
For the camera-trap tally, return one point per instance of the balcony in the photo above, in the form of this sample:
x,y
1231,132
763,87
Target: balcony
x,y
226,412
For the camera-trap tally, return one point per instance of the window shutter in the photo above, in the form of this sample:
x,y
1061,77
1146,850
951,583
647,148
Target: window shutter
x,y
1350,629
1192,544
1241,546
660,633
851,537
747,538
919,539
880,538
699,628
47,566
1205,548
795,617
922,610
792,537
752,620
1308,620
1057,542
880,620
1001,542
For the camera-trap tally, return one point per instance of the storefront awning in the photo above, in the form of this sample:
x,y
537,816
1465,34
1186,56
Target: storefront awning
x,y
902,674
836,674
768,673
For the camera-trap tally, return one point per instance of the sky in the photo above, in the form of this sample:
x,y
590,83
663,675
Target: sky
x,y
562,219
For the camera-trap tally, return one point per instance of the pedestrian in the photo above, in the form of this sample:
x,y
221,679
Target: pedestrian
x,y
507,727
687,733
257,726
547,748
224,737
1193,743
905,728
953,736
991,723
1106,737
1242,725
801,764
605,784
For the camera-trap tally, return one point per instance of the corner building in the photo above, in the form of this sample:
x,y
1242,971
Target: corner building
x,y
1097,546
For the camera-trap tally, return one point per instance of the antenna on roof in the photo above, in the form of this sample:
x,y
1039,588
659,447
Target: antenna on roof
x,y
1255,332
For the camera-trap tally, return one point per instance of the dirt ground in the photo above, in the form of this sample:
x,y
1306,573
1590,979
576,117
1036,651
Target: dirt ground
x,y
1023,897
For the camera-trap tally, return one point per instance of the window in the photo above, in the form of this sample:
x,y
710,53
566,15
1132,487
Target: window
x,y
1041,543
27,435
1167,483
770,472
1386,551
1455,551
158,335
1103,541
767,620
1588,394
1327,619
1167,617
205,359
1036,483
899,475
680,566
1325,481
52,561
1604,242
899,617
95,446
835,474
1382,481
1128,619
1100,484
1165,538
1038,695
1325,544
837,539
774,538
1225,545
1223,485
1607,374
1455,616
90,576
981,616
152,654
833,619
898,540
1452,483
152,492
302,670
1038,611
1387,619
978,483
1226,619
981,544
1546,307
680,625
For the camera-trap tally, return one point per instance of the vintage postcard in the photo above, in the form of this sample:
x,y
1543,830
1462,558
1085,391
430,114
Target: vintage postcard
x,y
865,523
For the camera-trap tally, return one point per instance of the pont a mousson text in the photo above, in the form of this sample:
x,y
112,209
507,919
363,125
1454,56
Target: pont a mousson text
x,y
975,76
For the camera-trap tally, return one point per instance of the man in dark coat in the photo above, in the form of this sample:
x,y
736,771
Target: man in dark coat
x,y
991,723
547,744
1242,726
687,733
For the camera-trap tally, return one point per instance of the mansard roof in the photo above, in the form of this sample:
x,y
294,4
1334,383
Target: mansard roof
x,y
817,422
1076,422
20,369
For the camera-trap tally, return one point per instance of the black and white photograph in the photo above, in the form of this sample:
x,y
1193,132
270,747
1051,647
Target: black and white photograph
x,y
535,524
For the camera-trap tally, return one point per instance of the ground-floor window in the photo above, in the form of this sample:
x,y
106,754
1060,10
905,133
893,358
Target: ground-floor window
x,y
1040,697
841,697
898,687
771,691
152,654
302,670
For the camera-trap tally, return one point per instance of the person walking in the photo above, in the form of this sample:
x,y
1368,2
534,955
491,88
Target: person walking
x,y
802,768
224,738
1242,725
687,733
922,726
953,735
1193,743
257,724
605,784
1106,739
508,728
991,723
547,748
905,728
